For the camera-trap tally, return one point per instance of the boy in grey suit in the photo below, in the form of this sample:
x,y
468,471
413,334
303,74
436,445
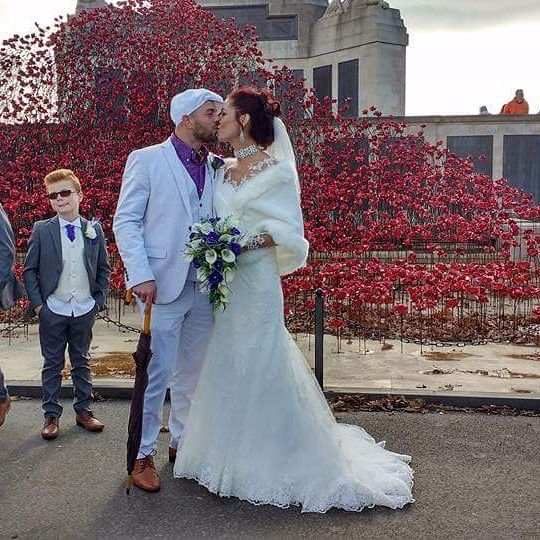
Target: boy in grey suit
x,y
7,258
66,273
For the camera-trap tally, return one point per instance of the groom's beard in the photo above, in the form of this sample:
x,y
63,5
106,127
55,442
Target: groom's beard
x,y
205,135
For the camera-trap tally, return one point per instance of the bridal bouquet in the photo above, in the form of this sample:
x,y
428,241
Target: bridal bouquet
x,y
213,247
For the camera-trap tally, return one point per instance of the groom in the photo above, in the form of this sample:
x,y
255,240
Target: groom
x,y
165,189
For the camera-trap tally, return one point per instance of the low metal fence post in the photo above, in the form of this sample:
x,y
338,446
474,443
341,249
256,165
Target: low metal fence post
x,y
319,337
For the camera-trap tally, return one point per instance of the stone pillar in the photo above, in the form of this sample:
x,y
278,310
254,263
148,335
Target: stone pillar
x,y
375,34
498,154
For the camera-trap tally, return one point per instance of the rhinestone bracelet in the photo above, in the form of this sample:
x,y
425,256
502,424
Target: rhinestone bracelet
x,y
254,242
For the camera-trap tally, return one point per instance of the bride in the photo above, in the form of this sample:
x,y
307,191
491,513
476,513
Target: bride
x,y
259,427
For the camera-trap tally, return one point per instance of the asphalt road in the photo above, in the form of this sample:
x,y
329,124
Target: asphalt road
x,y
477,477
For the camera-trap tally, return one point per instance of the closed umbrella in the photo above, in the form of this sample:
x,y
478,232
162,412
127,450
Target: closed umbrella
x,y
142,357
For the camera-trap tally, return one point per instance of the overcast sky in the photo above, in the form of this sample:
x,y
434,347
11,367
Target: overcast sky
x,y
462,53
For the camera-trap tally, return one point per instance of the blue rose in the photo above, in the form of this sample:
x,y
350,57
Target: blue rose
x,y
192,236
215,278
196,263
236,248
235,231
218,265
212,239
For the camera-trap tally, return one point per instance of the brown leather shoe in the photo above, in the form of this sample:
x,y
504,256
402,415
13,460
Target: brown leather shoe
x,y
145,476
4,408
51,428
88,422
172,454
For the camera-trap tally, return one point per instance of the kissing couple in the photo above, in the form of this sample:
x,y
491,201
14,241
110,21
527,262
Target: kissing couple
x,y
247,417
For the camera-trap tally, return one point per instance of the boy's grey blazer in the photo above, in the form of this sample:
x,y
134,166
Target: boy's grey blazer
x,y
9,287
43,264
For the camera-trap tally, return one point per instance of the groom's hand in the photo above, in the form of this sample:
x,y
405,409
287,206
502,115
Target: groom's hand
x,y
146,292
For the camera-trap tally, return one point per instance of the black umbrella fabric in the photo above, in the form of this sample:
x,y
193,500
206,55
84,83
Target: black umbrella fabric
x,y
142,357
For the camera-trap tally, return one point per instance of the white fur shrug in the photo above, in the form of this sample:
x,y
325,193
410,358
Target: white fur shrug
x,y
270,203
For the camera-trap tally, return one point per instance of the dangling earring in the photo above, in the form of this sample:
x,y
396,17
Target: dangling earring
x,y
242,136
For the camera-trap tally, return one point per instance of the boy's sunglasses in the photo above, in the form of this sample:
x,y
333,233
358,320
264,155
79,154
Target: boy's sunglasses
x,y
64,193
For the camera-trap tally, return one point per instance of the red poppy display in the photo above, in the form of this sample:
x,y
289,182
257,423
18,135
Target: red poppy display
x,y
398,227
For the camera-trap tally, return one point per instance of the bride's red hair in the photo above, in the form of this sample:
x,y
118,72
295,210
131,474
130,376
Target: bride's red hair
x,y
262,107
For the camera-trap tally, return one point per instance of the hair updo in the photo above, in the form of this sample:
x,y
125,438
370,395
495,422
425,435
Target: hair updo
x,y
261,107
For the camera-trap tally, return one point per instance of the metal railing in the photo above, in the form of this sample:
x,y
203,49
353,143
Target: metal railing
x,y
320,312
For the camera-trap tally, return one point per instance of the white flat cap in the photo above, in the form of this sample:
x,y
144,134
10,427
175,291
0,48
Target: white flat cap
x,y
189,101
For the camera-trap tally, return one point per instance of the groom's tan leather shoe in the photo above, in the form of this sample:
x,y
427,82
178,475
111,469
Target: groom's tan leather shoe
x,y
172,454
145,476
51,428
4,408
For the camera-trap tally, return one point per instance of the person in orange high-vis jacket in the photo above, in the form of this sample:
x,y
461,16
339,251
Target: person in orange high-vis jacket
x,y
517,106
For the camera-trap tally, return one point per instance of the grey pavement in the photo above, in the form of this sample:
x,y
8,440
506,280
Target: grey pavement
x,y
477,477
496,368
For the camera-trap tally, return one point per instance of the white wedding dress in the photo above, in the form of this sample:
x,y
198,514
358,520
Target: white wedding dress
x,y
259,427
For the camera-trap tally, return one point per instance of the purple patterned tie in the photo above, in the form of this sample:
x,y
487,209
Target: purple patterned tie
x,y
70,231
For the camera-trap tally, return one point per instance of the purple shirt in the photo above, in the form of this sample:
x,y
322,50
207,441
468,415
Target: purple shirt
x,y
193,161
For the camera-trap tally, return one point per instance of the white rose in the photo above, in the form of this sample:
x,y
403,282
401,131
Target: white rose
x,y
223,289
225,293
205,228
211,256
225,238
90,232
228,275
228,256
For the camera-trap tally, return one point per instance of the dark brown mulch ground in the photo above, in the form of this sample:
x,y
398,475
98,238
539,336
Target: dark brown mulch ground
x,y
115,364
354,403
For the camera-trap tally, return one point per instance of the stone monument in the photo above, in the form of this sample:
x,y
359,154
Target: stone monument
x,y
348,49
353,49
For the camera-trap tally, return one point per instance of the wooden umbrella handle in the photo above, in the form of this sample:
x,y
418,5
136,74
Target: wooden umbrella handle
x,y
147,311
147,318
128,297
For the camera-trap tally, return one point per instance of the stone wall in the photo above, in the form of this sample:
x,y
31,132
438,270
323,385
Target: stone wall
x,y
511,144
88,4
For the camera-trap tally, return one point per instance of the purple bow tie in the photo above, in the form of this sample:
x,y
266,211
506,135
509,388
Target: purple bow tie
x,y
70,232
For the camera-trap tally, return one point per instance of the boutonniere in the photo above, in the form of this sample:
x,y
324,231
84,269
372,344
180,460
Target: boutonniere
x,y
91,231
216,163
